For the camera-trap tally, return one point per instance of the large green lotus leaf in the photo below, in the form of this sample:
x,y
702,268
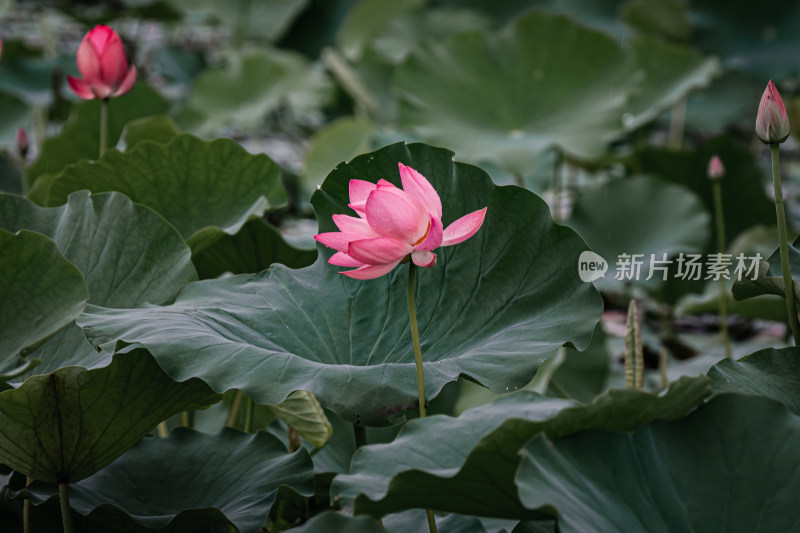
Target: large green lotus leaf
x,y
769,277
127,254
744,201
252,84
506,97
10,178
764,307
726,467
70,423
199,187
544,81
673,71
80,137
255,247
417,520
42,291
338,141
493,308
302,412
774,373
392,30
332,521
157,128
599,14
583,375
667,18
264,19
190,481
731,99
365,22
471,471
640,215
761,41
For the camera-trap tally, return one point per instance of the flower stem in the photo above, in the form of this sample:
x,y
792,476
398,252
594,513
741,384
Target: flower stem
x,y
26,510
248,414
677,123
103,126
234,411
784,247
723,286
412,319
63,496
23,169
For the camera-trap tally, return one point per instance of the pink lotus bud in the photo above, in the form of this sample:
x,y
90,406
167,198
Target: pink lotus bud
x,y
772,124
394,225
715,168
103,65
22,142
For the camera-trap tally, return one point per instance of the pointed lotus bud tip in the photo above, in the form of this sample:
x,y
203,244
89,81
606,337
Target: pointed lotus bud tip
x,y
772,124
716,170
22,142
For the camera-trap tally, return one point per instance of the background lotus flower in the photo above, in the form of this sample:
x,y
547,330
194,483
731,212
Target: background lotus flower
x,y
21,141
394,224
772,124
716,169
103,65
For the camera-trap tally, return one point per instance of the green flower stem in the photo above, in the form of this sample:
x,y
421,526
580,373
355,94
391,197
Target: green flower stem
x,y
248,415
26,510
412,318
63,496
723,286
185,420
784,247
663,359
677,123
103,126
234,412
23,169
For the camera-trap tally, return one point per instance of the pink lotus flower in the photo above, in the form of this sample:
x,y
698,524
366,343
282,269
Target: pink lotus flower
x,y
103,65
715,168
394,225
772,124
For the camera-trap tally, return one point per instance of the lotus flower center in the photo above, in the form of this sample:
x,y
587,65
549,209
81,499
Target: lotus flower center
x,y
425,236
